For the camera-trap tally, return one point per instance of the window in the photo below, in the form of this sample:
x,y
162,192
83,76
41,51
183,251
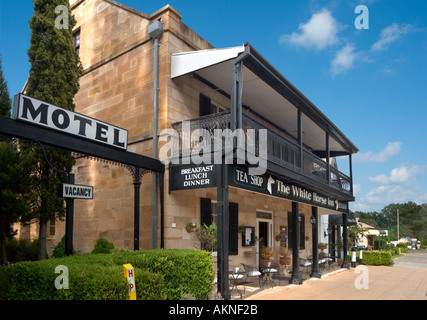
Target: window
x,y
51,228
76,41
208,215
206,106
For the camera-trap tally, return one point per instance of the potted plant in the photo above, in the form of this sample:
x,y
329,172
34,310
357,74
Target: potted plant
x,y
338,245
279,236
285,256
190,227
207,236
266,254
322,246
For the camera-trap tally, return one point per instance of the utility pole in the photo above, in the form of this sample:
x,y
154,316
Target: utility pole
x,y
398,225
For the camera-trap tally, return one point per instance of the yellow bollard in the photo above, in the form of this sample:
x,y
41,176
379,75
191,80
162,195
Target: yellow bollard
x,y
129,274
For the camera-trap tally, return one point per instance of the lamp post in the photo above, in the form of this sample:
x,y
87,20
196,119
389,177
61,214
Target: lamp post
x,y
353,257
313,220
329,241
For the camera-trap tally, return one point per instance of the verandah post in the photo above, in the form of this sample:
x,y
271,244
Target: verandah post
x,y
296,278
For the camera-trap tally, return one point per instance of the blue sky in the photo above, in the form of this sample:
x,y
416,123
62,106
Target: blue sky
x,y
372,83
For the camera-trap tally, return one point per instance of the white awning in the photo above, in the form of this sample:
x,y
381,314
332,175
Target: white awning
x,y
187,62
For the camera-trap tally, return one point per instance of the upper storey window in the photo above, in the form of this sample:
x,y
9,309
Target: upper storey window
x,y
76,41
206,106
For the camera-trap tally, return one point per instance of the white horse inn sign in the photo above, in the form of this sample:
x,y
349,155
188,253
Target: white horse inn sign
x,y
183,177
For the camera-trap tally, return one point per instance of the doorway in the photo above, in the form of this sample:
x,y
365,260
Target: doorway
x,y
264,230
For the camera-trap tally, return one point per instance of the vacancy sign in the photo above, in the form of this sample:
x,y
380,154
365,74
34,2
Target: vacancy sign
x,y
75,191
129,274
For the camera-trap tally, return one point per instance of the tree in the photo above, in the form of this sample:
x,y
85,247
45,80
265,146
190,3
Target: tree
x,y
5,101
54,75
12,178
13,206
412,219
354,233
369,218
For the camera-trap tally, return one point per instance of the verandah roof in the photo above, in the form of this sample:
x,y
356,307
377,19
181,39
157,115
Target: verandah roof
x,y
266,92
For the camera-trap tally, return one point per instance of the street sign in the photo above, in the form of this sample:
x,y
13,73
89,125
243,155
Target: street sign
x,y
75,191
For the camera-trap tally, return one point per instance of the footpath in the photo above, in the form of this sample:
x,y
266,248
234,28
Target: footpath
x,y
405,280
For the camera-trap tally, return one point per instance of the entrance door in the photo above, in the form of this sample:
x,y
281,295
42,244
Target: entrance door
x,y
263,233
264,230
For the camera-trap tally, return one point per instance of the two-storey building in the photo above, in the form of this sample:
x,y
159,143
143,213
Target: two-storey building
x,y
150,72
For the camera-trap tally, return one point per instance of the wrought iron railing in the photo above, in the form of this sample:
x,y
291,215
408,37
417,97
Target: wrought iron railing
x,y
280,149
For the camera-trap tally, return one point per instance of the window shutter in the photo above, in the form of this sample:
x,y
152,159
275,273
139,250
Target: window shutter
x,y
233,212
233,227
205,211
290,231
301,232
204,105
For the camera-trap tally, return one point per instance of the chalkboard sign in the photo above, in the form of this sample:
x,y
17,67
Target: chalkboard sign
x,y
284,236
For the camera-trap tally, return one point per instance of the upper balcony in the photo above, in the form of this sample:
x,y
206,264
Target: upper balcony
x,y
282,152
301,141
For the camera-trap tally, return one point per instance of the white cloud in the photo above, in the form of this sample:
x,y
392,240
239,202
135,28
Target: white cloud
x,y
394,193
387,70
344,59
392,149
389,35
400,186
404,173
319,32
357,188
381,196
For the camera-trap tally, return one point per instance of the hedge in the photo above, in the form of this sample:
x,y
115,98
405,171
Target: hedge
x,y
90,278
376,258
186,272
159,274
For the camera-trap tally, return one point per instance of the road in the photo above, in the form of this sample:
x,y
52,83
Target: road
x,y
406,280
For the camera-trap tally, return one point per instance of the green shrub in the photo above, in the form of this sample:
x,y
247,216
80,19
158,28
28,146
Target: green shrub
x,y
90,277
5,283
149,286
186,272
376,258
159,274
59,249
103,246
36,281
21,250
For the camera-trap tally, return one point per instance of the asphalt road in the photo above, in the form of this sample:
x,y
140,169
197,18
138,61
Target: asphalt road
x,y
415,259
405,280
